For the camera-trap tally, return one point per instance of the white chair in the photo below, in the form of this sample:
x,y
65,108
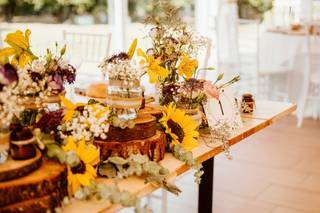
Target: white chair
x,y
311,83
270,84
89,47
86,51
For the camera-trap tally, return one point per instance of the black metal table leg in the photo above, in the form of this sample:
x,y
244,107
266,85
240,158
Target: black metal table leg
x,y
205,197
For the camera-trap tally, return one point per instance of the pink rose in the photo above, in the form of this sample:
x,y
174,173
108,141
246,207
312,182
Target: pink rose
x,y
211,90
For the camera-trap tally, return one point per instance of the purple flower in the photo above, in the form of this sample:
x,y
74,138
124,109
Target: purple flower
x,y
150,51
69,74
117,57
170,89
8,74
55,82
50,121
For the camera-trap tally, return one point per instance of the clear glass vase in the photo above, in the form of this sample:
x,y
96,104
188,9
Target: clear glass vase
x,y
124,98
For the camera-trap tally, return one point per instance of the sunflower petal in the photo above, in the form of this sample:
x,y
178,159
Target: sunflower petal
x,y
132,48
71,145
83,179
91,170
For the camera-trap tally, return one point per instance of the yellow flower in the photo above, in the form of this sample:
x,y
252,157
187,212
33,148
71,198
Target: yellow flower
x,y
83,173
19,48
132,48
70,108
187,66
98,110
155,71
180,127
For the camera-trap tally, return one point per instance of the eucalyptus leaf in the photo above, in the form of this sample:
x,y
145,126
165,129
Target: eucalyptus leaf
x,y
54,151
108,170
117,160
140,158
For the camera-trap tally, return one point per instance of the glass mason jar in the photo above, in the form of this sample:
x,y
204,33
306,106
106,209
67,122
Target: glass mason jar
x,y
124,98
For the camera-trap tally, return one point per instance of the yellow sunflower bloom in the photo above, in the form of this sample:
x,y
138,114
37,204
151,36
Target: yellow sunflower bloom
x,y
180,127
187,66
155,71
69,108
84,172
19,48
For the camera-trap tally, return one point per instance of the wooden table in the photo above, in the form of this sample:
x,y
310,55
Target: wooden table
x,y
267,113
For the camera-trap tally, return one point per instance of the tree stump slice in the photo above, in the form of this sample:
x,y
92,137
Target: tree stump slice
x,y
42,204
12,169
152,109
49,180
154,147
145,127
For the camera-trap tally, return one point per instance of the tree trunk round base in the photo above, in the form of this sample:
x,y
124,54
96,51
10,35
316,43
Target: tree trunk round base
x,y
12,169
154,147
44,188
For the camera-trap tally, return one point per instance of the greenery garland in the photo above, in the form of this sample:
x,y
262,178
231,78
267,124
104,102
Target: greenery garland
x,y
140,165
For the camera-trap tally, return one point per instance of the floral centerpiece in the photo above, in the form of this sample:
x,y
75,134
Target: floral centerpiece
x,y
40,77
171,62
124,89
9,107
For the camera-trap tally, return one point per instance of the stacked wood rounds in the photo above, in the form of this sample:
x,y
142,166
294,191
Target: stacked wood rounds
x,y
143,139
39,191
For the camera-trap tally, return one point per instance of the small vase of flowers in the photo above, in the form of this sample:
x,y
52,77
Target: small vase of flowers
x,y
125,94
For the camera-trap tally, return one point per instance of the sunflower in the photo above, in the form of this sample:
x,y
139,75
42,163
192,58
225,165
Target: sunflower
x,y
83,173
70,108
180,127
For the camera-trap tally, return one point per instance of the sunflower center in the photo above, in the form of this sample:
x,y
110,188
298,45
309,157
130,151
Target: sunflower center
x,y
79,169
176,129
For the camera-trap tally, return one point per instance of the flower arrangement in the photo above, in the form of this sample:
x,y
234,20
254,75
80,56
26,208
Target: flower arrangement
x,y
124,90
86,121
172,58
39,77
9,106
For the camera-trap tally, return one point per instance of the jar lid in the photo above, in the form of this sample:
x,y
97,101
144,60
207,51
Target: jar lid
x,y
247,95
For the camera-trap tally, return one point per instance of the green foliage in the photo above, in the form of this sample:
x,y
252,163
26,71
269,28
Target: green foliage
x,y
140,165
28,117
62,9
261,6
138,10
180,153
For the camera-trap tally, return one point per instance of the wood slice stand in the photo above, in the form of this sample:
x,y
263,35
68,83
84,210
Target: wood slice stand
x,y
145,127
154,147
12,169
39,191
143,139
152,109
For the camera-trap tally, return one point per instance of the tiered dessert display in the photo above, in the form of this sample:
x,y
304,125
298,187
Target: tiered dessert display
x,y
56,153
28,83
125,100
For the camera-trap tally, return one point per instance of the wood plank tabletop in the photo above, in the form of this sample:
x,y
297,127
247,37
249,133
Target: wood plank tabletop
x,y
266,113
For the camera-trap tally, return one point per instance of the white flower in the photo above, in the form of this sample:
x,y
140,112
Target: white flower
x,y
38,65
